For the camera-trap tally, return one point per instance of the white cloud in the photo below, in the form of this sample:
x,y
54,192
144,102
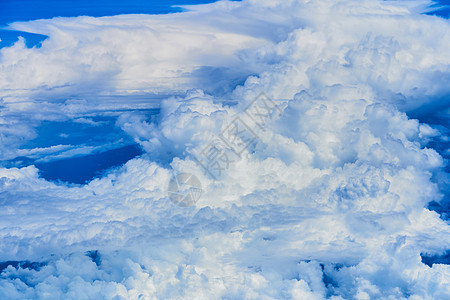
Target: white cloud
x,y
329,202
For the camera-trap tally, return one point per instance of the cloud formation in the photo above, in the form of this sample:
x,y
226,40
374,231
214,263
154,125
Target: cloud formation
x,y
329,202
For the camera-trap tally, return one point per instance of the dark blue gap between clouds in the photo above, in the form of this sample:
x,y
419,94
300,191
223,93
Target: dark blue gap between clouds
x,y
82,169
112,148
443,9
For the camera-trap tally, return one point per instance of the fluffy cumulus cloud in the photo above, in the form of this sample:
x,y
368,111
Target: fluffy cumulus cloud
x,y
328,201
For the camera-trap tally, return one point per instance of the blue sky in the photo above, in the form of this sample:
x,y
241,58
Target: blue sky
x,y
444,8
25,10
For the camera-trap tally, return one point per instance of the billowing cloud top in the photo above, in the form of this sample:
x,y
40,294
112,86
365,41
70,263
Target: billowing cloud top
x,y
329,200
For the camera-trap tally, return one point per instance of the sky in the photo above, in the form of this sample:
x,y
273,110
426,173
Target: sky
x,y
255,149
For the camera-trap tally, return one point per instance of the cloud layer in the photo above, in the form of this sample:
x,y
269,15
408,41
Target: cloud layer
x,y
328,202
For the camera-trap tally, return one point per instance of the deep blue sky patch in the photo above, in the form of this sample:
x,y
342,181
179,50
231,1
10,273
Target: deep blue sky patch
x,y
9,37
113,148
25,10
83,169
443,9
